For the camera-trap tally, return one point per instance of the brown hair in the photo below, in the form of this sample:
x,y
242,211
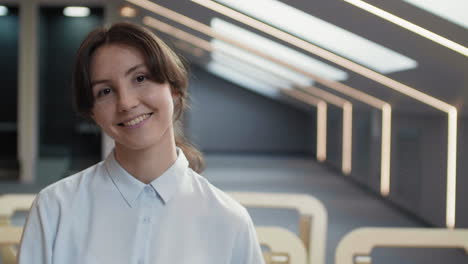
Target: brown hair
x,y
163,64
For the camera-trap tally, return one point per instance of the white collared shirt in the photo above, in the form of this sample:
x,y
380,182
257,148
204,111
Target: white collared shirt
x,y
104,215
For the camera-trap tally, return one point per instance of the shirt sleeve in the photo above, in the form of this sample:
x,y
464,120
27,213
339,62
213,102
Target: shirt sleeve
x,y
247,248
38,235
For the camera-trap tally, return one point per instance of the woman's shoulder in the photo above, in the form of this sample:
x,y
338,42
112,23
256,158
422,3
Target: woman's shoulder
x,y
67,188
214,199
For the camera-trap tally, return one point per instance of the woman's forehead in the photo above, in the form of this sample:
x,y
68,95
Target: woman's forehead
x,y
115,59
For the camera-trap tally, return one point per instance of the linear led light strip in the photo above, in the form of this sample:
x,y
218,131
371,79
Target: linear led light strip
x,y
306,98
354,93
321,118
382,79
192,49
409,26
347,129
329,97
400,87
347,90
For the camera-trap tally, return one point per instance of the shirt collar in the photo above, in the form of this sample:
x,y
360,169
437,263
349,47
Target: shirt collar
x,y
173,179
166,185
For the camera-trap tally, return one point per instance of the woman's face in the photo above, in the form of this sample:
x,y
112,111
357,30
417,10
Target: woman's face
x,y
132,109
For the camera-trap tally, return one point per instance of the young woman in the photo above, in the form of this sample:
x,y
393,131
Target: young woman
x,y
146,203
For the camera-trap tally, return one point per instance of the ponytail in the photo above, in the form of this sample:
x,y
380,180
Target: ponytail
x,y
193,155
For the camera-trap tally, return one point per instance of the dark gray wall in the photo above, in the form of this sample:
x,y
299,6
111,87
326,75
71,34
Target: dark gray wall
x,y
8,83
60,37
334,136
418,162
226,118
230,119
366,146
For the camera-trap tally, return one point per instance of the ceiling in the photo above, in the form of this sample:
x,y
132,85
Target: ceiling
x,y
441,72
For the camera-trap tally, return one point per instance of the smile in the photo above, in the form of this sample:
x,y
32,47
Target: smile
x,y
136,121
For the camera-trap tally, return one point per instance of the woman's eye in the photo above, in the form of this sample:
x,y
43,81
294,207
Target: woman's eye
x,y
140,78
103,92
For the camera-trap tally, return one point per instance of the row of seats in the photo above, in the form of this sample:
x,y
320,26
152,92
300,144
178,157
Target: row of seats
x,y
284,246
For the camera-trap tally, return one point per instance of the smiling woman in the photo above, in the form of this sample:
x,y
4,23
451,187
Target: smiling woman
x,y
146,203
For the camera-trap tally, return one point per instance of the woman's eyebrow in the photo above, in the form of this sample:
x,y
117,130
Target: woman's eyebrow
x,y
129,71
134,68
93,83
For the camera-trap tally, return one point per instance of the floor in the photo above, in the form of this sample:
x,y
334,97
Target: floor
x,y
348,205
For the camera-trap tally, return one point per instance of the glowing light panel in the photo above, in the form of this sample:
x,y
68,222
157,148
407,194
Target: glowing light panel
x,y
223,47
3,11
260,74
277,50
127,11
451,10
242,80
324,34
410,26
76,11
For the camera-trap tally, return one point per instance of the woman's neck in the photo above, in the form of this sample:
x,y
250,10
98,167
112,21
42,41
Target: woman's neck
x,y
149,163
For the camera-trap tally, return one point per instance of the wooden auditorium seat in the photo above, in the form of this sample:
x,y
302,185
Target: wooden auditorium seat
x,y
10,237
11,203
356,246
285,247
312,217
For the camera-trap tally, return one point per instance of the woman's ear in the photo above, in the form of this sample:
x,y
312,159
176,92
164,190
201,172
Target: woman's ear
x,y
91,116
175,93
175,96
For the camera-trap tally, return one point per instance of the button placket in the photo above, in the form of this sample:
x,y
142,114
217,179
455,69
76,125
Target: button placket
x,y
145,220
147,201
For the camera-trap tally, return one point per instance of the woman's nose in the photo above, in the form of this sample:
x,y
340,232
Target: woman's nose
x,y
127,100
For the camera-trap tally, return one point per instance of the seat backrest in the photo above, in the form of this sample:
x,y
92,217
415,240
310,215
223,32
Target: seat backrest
x,y
10,237
285,246
312,217
10,203
360,242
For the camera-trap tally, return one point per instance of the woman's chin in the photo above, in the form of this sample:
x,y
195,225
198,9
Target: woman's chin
x,y
137,145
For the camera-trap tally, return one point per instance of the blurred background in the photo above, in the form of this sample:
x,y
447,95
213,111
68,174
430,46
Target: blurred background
x,y
359,104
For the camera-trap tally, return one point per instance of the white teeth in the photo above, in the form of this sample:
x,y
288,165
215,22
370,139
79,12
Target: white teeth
x,y
137,120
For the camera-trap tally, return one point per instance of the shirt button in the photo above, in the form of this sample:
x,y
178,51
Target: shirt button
x,y
147,189
146,220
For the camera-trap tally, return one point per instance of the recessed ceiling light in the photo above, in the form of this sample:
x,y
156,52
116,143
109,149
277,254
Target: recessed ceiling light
x,y
76,11
252,71
451,10
128,11
277,50
3,10
227,73
258,62
324,34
